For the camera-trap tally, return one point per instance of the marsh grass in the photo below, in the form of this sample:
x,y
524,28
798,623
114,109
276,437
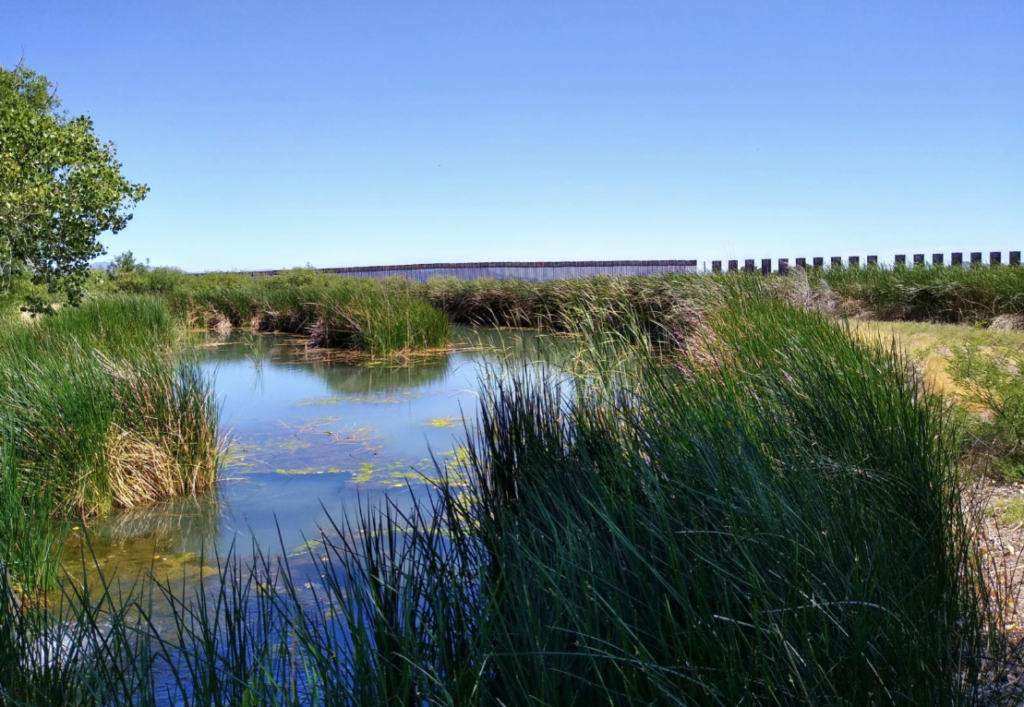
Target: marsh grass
x,y
378,317
929,293
387,316
98,412
660,304
31,543
776,520
744,530
926,294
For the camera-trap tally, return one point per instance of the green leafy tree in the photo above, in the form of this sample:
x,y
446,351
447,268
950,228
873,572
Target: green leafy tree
x,y
126,264
60,187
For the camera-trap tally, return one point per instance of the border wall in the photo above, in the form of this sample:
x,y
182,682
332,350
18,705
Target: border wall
x,y
538,271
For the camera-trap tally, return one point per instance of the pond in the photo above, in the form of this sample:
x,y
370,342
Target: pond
x,y
311,437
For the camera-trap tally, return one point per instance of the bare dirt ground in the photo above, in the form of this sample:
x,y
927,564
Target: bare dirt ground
x,y
1001,547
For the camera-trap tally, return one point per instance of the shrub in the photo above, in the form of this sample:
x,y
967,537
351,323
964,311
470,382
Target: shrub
x,y
992,383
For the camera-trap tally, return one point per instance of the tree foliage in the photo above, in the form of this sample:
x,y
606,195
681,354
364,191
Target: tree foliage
x,y
60,186
125,264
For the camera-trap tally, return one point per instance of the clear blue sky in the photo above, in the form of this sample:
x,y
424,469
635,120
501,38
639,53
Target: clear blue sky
x,y
370,132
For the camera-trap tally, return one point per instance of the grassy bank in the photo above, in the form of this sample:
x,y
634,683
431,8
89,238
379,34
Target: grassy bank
x,y
96,413
659,308
776,520
393,315
980,372
928,293
379,317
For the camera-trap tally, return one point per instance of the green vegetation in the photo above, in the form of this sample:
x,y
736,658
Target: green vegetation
x,y
96,413
60,188
758,528
923,338
776,519
926,294
931,293
723,495
31,543
1008,511
992,383
379,317
978,372
660,308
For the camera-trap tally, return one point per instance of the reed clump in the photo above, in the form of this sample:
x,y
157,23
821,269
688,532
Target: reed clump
x,y
938,293
779,524
379,317
661,308
31,544
986,295
99,413
383,317
777,521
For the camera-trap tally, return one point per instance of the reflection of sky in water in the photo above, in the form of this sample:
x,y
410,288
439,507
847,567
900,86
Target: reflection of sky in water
x,y
308,438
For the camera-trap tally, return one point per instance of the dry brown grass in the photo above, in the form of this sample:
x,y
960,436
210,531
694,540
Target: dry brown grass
x,y
819,297
1007,322
166,455
140,471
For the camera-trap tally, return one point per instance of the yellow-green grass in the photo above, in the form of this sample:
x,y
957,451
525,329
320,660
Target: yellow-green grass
x,y
978,372
932,345
1007,511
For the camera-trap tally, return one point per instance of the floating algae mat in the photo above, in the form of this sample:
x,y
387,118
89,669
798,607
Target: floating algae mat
x,y
309,437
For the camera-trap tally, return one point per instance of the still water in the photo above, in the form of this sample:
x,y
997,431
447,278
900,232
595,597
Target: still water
x,y
310,437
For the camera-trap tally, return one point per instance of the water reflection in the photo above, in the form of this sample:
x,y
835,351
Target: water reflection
x,y
311,436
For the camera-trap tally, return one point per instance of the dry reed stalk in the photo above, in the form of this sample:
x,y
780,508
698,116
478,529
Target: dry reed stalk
x,y
1007,322
140,471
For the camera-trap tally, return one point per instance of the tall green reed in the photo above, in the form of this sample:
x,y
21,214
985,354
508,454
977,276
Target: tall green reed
x,y
775,518
782,525
97,411
31,543
379,317
929,293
